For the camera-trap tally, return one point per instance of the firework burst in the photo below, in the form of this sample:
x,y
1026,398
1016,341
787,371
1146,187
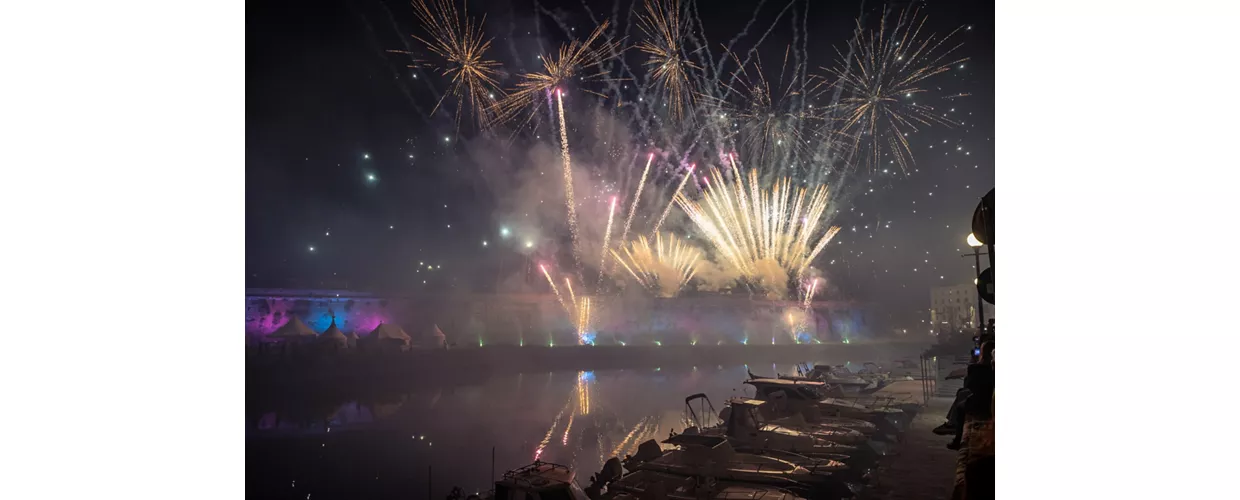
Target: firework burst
x,y
766,235
459,44
664,268
571,63
880,82
577,62
668,66
769,117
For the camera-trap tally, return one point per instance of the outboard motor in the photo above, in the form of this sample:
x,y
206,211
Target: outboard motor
x,y
612,470
646,452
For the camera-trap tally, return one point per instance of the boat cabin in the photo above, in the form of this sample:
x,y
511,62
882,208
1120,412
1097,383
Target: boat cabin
x,y
743,414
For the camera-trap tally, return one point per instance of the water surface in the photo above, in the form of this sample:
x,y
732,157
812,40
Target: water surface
x,y
386,443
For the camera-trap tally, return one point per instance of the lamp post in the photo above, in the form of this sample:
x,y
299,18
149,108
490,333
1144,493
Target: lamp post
x,y
977,270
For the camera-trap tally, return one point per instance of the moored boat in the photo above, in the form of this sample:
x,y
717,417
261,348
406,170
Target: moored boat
x,y
790,397
645,484
539,480
713,456
745,419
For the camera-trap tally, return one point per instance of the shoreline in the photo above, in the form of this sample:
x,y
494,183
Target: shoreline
x,y
274,371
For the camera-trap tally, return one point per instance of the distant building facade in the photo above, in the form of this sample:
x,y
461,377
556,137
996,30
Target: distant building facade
x,y
954,308
540,319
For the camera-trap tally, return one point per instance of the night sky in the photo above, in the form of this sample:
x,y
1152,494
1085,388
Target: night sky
x,y
343,155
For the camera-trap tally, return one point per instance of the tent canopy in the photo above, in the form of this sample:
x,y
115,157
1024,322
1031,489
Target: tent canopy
x,y
294,328
434,338
333,334
386,331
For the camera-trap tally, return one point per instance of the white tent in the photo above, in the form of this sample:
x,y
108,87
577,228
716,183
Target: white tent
x,y
293,329
436,338
385,332
352,339
334,335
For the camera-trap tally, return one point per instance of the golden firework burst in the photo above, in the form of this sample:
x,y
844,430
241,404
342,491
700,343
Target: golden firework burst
x,y
766,235
665,30
578,60
663,268
460,47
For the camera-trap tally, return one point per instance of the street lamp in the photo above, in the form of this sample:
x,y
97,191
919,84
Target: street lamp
x,y
972,241
977,268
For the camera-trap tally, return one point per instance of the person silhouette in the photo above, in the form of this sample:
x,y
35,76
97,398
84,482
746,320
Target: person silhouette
x,y
980,381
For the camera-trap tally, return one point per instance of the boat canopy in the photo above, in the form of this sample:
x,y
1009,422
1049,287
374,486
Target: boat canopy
x,y
780,381
746,402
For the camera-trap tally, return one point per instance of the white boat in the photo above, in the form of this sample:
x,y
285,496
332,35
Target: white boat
x,y
744,416
747,432
832,375
853,409
713,456
539,481
652,485
808,397
789,398
823,424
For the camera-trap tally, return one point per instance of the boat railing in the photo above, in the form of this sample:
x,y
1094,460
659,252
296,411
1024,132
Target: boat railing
x,y
872,401
790,456
819,463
